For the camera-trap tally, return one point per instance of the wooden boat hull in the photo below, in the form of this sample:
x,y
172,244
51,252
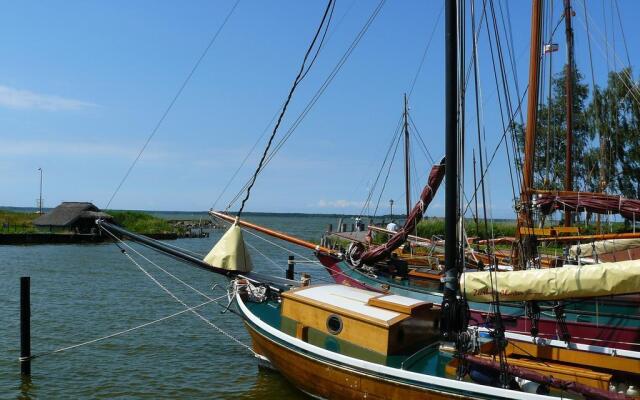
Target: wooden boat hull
x,y
593,333
331,381
331,375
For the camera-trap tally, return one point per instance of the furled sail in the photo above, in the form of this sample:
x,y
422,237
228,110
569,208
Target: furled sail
x,y
359,256
602,247
554,283
599,203
230,252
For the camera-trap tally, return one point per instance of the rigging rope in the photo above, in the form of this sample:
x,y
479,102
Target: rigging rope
x,y
476,74
367,202
304,69
317,95
173,101
197,314
386,178
426,50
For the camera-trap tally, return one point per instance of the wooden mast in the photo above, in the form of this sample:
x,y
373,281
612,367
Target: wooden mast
x,y
524,216
568,179
407,159
532,98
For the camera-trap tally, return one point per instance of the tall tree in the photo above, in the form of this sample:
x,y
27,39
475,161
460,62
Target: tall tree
x,y
615,114
549,162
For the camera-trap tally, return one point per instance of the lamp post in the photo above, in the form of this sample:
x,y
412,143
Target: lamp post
x,y
391,207
40,199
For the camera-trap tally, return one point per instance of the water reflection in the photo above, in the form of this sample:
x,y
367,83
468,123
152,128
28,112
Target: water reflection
x,y
270,384
27,388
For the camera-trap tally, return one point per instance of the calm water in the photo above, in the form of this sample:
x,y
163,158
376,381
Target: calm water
x,y
81,292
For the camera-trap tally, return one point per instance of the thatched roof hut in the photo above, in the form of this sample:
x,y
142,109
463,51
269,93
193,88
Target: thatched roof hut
x,y
80,216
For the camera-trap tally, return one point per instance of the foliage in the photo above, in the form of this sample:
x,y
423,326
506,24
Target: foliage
x,y
435,227
606,136
615,116
550,144
141,222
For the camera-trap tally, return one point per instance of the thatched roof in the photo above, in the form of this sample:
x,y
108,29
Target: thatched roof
x,y
69,212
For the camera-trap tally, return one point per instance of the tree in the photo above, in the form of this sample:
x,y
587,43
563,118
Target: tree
x,y
615,115
550,144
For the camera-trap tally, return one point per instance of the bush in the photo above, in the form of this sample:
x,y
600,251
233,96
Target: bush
x,y
141,222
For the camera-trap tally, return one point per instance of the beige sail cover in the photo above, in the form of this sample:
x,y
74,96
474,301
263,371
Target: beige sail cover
x,y
603,246
554,283
230,252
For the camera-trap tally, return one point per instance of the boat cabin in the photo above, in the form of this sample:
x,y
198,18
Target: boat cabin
x,y
383,323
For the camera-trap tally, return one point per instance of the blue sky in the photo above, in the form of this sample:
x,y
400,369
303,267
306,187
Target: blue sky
x,y
82,85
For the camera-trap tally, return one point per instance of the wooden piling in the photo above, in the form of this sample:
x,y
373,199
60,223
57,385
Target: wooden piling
x,y
25,326
290,268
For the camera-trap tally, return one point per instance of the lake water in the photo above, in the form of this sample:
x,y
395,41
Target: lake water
x,y
81,292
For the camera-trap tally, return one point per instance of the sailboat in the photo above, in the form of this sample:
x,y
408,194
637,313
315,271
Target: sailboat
x,y
604,322
341,342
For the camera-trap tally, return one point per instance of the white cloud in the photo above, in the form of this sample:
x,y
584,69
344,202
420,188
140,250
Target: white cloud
x,y
26,100
338,203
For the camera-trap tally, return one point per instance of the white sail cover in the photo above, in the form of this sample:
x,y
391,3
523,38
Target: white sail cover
x,y
230,252
554,283
603,246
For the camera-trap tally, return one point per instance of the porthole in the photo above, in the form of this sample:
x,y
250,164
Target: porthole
x,y
334,324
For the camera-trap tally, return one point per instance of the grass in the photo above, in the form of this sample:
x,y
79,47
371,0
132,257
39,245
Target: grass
x,y
17,222
435,227
135,221
141,222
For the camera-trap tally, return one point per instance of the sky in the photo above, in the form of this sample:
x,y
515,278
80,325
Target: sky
x,y
84,83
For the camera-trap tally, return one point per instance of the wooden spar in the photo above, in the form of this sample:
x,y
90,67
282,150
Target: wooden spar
x,y
524,215
273,233
568,179
532,97
593,238
407,161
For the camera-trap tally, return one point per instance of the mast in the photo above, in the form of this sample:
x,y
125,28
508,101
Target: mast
x,y
524,216
532,98
475,193
568,179
407,161
449,302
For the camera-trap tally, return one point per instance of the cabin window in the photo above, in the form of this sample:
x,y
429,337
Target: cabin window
x,y
334,324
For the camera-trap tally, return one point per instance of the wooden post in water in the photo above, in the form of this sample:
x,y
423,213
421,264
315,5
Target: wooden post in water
x,y
290,268
25,326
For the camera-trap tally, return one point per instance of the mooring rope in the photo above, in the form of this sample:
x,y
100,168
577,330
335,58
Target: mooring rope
x,y
187,307
197,314
46,353
155,264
